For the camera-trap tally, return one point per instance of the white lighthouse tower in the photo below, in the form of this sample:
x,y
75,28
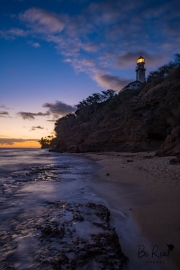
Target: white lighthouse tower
x,y
140,76
140,70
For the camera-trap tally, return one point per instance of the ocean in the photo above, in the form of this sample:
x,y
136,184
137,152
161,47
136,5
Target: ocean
x,y
33,184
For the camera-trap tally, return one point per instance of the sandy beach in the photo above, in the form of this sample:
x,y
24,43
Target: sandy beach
x,y
146,188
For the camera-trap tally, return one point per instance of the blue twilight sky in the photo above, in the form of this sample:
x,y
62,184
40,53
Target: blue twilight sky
x,y
54,53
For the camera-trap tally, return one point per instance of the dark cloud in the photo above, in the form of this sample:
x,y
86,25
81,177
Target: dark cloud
x,y
111,82
36,127
11,141
31,116
128,59
4,114
56,109
59,108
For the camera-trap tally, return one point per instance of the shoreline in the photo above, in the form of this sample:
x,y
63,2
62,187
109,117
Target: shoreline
x,y
146,188
83,179
49,215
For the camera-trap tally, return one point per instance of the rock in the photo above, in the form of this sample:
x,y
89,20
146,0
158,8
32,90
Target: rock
x,y
100,250
78,217
174,161
171,145
148,157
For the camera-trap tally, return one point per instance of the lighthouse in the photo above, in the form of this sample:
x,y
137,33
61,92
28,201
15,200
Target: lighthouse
x,y
140,70
140,76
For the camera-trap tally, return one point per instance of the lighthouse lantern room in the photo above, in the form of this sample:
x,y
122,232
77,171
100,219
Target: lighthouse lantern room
x,y
140,70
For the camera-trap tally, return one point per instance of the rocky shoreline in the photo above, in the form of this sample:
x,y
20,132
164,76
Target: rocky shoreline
x,y
68,235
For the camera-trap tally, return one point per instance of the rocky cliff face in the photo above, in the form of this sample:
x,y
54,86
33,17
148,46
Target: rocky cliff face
x,y
147,119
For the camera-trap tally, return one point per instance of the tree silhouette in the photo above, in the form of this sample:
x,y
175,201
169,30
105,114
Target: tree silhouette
x,y
96,98
46,141
164,70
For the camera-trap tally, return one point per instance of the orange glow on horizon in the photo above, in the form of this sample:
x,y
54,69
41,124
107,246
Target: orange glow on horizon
x,y
27,144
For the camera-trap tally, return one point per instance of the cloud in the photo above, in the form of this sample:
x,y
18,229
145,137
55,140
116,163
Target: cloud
x,y
108,11
13,33
35,44
37,127
11,141
82,65
31,116
56,109
90,47
4,114
43,21
128,59
106,34
17,32
111,82
59,108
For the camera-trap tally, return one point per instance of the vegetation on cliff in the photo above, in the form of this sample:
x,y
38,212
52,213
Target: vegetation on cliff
x,y
161,72
132,120
46,142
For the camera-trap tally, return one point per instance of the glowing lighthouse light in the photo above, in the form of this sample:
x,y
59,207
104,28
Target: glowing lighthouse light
x,y
140,70
140,60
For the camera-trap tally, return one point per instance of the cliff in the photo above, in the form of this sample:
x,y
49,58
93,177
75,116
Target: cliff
x,y
147,119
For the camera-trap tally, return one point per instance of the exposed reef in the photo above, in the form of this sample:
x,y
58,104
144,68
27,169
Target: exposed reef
x,y
65,236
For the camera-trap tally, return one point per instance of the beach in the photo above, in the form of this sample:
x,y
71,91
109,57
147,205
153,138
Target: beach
x,y
146,188
88,211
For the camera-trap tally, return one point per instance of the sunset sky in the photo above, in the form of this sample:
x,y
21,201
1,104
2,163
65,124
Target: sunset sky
x,y
54,53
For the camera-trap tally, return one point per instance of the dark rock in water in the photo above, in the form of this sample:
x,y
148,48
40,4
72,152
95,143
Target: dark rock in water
x,y
107,174
68,235
94,245
174,161
78,217
52,230
129,160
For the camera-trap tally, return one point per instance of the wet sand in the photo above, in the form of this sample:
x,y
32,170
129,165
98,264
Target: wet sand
x,y
146,189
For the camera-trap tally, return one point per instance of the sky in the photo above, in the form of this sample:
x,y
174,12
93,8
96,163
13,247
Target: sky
x,y
55,53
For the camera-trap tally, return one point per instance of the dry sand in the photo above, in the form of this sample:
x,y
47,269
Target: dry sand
x,y
148,188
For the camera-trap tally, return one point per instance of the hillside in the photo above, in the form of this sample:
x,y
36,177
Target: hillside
x,y
141,120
